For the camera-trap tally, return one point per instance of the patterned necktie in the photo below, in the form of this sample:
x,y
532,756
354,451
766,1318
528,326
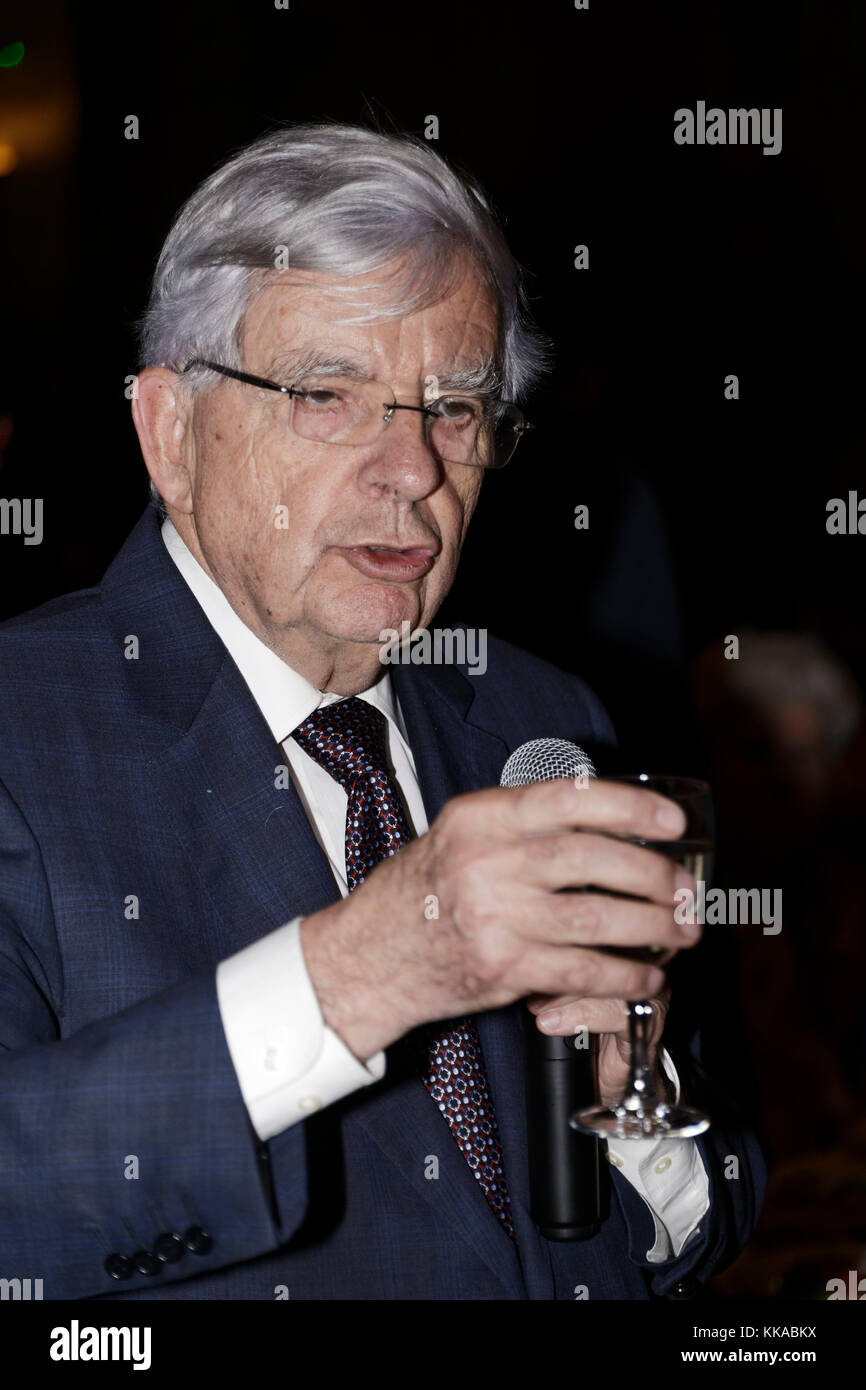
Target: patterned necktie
x,y
349,739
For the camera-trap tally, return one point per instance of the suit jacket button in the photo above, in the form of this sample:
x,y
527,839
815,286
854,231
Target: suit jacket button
x,y
169,1247
198,1240
118,1266
684,1288
146,1262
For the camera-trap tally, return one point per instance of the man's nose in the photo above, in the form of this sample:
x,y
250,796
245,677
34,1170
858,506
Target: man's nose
x,y
400,459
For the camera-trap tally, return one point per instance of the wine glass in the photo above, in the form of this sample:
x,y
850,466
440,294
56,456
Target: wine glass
x,y
640,1114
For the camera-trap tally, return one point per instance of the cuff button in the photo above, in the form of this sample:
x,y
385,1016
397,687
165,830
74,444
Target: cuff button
x,y
198,1240
146,1262
118,1266
169,1247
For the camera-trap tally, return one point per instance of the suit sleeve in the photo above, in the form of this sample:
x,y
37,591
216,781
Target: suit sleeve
x,y
736,1174
131,1128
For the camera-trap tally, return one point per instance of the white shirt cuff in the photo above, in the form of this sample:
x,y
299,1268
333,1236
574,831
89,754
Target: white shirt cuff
x,y
288,1063
670,1176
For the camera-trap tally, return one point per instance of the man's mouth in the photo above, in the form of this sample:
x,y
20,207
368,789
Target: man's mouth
x,y
400,566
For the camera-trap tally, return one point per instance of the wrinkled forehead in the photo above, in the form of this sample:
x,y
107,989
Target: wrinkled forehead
x,y
362,320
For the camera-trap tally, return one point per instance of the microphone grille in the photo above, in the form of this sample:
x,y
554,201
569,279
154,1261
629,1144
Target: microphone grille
x,y
545,760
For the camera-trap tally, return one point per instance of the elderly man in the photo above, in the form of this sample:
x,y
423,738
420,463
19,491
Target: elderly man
x,y
271,934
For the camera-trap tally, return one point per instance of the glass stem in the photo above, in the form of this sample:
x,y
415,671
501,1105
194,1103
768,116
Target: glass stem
x,y
638,1090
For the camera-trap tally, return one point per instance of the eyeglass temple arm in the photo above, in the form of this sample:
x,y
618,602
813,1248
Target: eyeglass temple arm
x,y
289,390
246,377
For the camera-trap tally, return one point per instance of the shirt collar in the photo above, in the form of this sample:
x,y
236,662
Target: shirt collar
x,y
283,695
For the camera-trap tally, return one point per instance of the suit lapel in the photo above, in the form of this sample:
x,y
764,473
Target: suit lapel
x,y
452,755
240,819
245,832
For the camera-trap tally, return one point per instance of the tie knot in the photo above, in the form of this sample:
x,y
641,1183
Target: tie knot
x,y
346,738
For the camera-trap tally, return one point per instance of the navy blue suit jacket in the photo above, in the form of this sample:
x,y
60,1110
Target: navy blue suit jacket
x,y
152,779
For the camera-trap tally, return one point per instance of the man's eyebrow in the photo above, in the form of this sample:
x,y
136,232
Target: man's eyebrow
x,y
481,376
302,361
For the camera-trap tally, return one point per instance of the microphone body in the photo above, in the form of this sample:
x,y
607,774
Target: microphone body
x,y
564,1165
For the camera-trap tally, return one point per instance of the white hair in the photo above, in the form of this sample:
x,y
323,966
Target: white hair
x,y
343,200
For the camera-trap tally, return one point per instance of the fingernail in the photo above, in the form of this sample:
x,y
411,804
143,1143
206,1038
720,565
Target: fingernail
x,y
690,929
550,1020
669,816
685,880
656,981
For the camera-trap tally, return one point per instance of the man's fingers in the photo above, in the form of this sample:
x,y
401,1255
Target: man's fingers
x,y
581,974
565,1016
536,1003
571,860
542,807
593,919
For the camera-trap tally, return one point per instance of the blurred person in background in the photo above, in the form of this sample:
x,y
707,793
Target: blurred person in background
x,y
786,742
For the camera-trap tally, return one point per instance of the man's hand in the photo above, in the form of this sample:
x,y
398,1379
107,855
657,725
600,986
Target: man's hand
x,y
563,1015
472,915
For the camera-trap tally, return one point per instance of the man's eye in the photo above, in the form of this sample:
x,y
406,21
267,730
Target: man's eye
x,y
320,395
458,410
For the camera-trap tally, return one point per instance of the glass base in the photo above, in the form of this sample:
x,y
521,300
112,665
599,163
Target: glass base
x,y
653,1120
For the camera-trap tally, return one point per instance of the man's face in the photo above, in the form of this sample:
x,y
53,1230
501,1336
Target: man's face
x,y
312,586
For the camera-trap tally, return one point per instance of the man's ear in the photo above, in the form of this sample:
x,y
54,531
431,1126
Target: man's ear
x,y
162,412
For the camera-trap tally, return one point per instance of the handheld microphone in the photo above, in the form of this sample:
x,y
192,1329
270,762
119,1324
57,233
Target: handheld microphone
x,y
564,1166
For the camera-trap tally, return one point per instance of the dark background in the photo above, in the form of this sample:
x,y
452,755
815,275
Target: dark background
x,y
703,262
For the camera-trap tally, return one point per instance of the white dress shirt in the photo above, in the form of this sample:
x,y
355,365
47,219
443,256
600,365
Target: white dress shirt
x,y
289,1063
